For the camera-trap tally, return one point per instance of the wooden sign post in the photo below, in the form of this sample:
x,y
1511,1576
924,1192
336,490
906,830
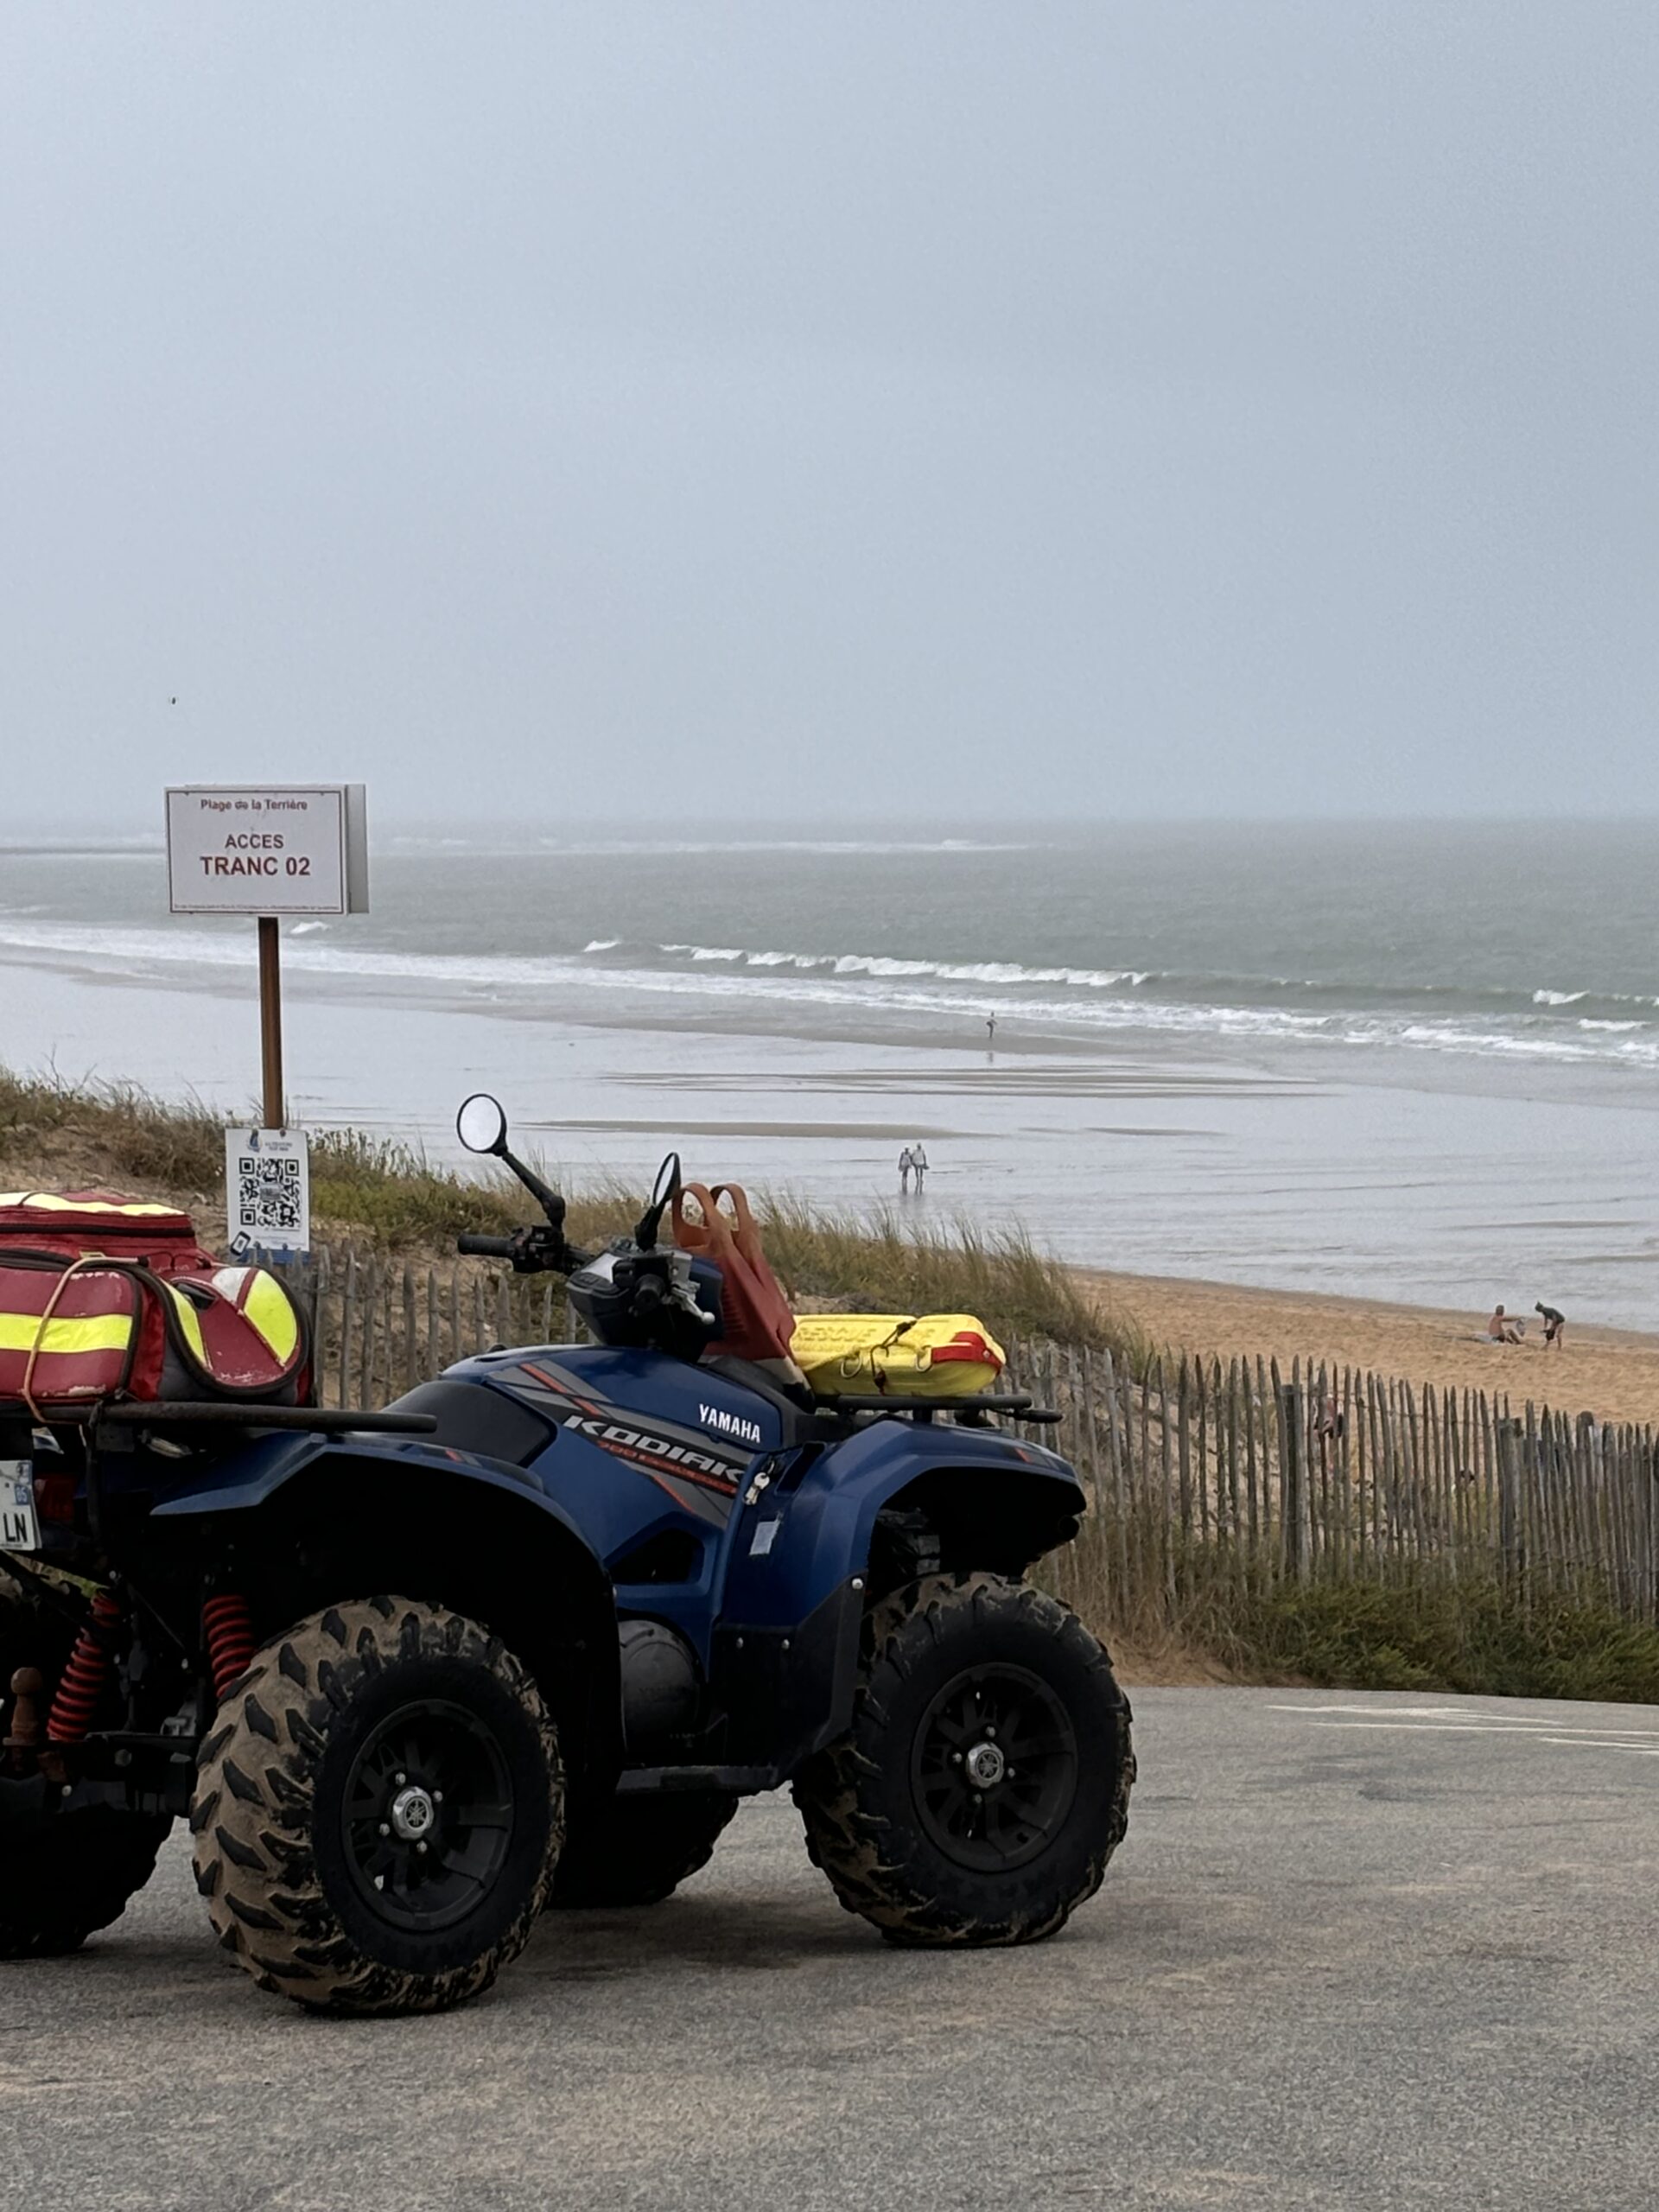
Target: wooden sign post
x,y
271,1021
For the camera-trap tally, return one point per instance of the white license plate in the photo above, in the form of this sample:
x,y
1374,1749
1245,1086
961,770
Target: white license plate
x,y
20,1527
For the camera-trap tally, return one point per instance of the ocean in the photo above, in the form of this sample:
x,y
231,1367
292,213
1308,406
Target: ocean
x,y
1404,1060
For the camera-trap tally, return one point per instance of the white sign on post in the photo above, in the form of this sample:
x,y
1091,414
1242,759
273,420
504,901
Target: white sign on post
x,y
267,849
268,1192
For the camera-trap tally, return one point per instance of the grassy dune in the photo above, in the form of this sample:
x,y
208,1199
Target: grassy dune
x,y
59,1134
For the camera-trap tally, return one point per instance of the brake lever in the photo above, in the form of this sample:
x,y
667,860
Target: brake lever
x,y
685,1297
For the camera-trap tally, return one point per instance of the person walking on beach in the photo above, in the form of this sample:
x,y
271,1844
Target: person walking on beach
x,y
990,1029
905,1163
918,1161
1501,1330
1555,1324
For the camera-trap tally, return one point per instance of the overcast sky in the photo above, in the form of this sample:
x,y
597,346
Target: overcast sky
x,y
786,409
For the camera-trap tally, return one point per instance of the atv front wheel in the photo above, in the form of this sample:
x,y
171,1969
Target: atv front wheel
x,y
638,1850
378,1813
984,1783
67,1869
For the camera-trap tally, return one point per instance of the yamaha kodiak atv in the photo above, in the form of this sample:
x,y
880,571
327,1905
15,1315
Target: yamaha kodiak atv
x,y
526,1637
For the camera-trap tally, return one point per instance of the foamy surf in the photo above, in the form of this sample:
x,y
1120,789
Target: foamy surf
x,y
496,847
879,964
955,998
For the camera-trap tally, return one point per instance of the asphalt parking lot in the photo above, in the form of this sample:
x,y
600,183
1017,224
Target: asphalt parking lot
x,y
1356,1952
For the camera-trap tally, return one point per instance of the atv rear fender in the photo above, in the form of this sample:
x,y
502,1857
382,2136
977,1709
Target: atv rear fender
x,y
310,1520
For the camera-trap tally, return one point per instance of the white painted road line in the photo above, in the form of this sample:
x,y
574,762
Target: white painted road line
x,y
1450,1720
1462,1714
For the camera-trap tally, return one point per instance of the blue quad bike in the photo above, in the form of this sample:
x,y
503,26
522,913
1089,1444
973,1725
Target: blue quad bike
x,y
527,1637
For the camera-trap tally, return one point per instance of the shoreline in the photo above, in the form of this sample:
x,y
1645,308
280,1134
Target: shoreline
x,y
1607,1369
1237,1166
1610,1372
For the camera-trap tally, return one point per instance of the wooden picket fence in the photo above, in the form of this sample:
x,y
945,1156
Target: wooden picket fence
x,y
380,1326
1214,1483
1211,1482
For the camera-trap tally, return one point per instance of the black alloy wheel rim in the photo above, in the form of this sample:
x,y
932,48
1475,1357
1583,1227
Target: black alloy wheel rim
x,y
994,1768
427,1814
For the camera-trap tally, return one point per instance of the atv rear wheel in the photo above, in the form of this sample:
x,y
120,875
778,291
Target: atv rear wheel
x,y
638,1850
70,1869
984,1783
70,1874
378,1810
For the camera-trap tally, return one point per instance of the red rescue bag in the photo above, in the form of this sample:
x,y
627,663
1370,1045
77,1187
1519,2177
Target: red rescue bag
x,y
104,1296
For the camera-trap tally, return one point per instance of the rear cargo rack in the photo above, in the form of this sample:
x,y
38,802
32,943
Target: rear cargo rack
x,y
189,1412
923,1409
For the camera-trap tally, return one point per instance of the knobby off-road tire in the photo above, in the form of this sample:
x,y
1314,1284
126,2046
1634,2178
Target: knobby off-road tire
x,y
73,1870
984,1783
74,1874
357,1736
638,1850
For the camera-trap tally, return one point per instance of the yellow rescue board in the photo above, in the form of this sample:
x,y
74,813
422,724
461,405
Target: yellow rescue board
x,y
904,1355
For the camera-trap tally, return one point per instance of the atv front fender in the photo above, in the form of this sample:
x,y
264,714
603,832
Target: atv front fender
x,y
784,1657
1000,1502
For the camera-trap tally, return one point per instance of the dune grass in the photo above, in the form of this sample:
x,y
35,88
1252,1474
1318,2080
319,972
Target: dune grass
x,y
1464,1634
56,1133
1423,1629
175,1148
881,1264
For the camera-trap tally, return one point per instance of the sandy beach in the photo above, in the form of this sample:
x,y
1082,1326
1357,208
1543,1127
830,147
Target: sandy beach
x,y
1613,1373
1262,1167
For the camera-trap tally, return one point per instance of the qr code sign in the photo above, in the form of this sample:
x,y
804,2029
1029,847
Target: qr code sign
x,y
267,1190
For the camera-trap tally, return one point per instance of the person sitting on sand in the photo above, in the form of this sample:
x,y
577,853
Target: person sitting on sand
x,y
1501,1330
1555,1324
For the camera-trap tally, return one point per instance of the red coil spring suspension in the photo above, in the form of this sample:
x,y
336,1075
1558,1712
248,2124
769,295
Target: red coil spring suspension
x,y
227,1625
85,1675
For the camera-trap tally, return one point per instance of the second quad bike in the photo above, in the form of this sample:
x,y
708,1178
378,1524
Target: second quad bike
x,y
529,1635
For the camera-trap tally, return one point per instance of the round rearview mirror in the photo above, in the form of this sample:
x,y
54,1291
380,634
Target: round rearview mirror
x,y
663,1192
481,1124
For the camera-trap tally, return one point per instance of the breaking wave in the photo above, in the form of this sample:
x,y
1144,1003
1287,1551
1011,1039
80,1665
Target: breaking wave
x,y
953,999
949,971
498,845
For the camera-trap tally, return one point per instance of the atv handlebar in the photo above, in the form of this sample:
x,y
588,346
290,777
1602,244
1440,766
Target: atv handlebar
x,y
532,1251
